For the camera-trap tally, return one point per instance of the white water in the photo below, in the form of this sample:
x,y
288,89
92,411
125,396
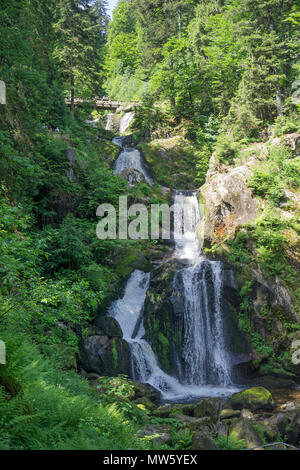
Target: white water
x,y
110,122
130,159
125,122
206,363
128,311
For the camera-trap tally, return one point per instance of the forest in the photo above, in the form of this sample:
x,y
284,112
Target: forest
x,y
168,101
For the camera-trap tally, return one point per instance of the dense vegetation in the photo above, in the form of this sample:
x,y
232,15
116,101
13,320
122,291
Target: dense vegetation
x,y
216,74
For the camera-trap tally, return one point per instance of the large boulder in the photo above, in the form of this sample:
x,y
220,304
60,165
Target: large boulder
x,y
105,356
253,399
228,201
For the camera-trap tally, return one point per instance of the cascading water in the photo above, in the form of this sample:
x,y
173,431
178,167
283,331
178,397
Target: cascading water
x,y
125,122
110,122
130,159
128,311
206,363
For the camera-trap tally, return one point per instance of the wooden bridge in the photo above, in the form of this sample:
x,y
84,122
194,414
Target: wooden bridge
x,y
103,103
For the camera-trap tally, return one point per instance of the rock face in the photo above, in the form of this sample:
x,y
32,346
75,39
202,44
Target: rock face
x,y
104,352
256,398
228,201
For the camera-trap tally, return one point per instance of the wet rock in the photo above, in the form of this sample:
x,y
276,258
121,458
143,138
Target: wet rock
x,y
256,398
133,176
202,441
209,407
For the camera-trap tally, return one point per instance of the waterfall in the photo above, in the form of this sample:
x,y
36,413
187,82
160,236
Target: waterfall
x,y
206,365
130,159
206,361
125,122
110,122
128,311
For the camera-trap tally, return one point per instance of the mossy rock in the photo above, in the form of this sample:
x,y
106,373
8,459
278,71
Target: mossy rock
x,y
109,326
146,402
229,414
168,411
245,430
209,407
127,259
254,399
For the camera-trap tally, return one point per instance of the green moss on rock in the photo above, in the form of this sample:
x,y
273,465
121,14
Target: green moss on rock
x,y
256,398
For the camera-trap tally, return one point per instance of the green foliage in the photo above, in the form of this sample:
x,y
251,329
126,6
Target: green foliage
x,y
182,439
230,442
226,148
120,392
272,176
43,408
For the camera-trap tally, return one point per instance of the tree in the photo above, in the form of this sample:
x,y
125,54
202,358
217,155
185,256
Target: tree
x,y
81,33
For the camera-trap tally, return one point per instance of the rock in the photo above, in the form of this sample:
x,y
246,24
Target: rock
x,y
246,414
191,423
227,414
146,402
133,176
256,398
109,326
228,201
158,433
244,429
167,411
146,391
269,429
209,407
289,426
105,358
202,441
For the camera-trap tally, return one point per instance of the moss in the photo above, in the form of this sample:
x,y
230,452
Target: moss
x,y
256,398
114,353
